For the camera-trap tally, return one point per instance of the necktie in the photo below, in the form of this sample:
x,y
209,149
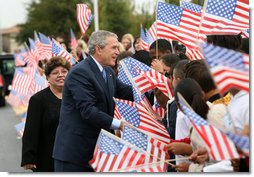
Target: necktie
x,y
104,75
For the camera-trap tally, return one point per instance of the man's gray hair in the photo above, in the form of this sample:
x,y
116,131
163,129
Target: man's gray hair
x,y
99,38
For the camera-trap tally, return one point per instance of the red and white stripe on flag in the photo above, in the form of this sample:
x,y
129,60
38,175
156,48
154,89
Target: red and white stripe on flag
x,y
112,154
148,123
220,146
22,82
83,17
226,78
151,79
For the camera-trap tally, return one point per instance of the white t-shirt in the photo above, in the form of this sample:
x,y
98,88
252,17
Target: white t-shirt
x,y
237,115
182,130
183,126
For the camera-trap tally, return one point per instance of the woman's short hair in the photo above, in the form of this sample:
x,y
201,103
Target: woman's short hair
x,y
54,62
129,37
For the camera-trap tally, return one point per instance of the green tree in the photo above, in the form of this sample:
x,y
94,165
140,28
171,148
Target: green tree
x,y
116,16
175,2
199,2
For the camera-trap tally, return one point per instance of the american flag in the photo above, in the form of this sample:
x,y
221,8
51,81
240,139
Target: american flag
x,y
151,79
225,17
123,76
58,50
22,81
228,67
129,73
220,147
242,142
46,47
146,39
145,77
152,31
19,59
38,83
177,23
37,45
158,109
156,151
144,44
112,154
149,38
74,42
84,17
30,57
139,117
191,6
194,54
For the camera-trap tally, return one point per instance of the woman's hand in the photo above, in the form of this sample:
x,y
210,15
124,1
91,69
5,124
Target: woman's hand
x,y
29,166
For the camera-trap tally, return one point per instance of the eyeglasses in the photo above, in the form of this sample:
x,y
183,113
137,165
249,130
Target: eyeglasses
x,y
57,73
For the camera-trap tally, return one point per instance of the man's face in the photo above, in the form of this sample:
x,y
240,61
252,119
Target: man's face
x,y
109,53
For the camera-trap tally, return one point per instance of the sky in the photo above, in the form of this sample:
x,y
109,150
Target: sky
x,y
12,12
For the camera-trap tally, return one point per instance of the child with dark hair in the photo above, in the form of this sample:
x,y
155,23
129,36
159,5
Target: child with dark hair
x,y
164,47
195,97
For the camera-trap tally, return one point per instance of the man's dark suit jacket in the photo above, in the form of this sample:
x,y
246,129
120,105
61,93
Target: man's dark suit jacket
x,y
87,107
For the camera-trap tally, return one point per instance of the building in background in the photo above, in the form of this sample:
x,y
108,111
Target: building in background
x,y
8,43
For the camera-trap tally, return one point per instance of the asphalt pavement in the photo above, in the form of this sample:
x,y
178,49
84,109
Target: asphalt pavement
x,y
10,145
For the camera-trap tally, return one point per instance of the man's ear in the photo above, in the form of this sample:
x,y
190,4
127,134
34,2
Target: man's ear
x,y
98,49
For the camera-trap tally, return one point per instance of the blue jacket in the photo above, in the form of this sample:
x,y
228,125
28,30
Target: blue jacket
x,y
87,107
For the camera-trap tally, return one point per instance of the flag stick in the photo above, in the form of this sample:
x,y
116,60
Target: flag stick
x,y
138,166
202,17
135,147
156,8
148,107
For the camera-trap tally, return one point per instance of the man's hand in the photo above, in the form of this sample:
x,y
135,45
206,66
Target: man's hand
x,y
182,167
200,155
124,123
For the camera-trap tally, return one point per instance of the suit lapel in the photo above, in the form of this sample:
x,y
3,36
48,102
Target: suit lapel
x,y
110,84
99,76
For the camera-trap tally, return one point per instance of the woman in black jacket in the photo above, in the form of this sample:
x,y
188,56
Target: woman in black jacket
x,y
42,119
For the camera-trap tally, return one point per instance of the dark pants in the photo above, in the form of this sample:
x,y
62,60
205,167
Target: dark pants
x,y
62,166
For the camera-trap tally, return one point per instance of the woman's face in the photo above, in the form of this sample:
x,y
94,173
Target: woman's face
x,y
138,45
126,43
57,77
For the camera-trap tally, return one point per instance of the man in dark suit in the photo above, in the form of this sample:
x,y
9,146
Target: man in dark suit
x,y
88,105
